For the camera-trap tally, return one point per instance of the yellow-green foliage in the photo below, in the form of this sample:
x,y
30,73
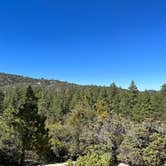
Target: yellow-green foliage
x,y
155,153
60,148
93,159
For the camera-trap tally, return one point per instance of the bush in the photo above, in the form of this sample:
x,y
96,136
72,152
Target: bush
x,y
93,159
155,153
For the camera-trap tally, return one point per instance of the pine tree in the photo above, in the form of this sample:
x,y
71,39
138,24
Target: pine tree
x,y
133,95
143,108
31,127
133,88
1,102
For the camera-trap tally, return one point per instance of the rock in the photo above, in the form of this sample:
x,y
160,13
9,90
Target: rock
x,y
122,164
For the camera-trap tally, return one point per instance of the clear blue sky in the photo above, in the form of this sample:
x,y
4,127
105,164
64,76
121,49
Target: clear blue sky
x,y
85,41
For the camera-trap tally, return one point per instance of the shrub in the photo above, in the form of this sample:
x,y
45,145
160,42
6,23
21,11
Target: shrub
x,y
93,159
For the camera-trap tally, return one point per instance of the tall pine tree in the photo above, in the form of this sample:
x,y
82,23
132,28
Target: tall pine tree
x,y
31,127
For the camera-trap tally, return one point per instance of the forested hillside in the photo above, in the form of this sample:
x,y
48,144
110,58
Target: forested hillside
x,y
44,121
13,80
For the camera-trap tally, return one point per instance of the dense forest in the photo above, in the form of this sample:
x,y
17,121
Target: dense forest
x,y
49,121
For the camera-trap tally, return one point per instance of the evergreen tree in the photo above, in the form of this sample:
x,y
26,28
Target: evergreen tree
x,y
163,103
133,88
1,102
31,127
143,108
113,97
133,94
163,90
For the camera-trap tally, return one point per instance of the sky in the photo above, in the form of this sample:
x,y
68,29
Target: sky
x,y
85,41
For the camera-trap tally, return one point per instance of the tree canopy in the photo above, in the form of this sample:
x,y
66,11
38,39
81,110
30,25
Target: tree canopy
x,y
56,121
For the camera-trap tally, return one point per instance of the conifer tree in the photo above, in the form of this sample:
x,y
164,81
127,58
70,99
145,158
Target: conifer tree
x,y
1,102
133,95
31,127
133,88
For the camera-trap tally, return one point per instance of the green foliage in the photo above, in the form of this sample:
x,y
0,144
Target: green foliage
x,y
129,152
69,163
59,140
7,80
89,121
76,121
93,159
9,144
155,153
31,127
1,102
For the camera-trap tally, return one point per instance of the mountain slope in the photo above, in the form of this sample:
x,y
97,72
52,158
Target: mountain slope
x,y
13,80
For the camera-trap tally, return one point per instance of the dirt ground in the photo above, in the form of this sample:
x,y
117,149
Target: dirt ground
x,y
60,164
63,164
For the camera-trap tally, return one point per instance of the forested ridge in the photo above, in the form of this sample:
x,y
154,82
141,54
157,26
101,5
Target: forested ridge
x,y
13,80
44,121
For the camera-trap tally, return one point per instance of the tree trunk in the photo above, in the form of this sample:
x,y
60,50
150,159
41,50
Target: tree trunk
x,y
22,160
